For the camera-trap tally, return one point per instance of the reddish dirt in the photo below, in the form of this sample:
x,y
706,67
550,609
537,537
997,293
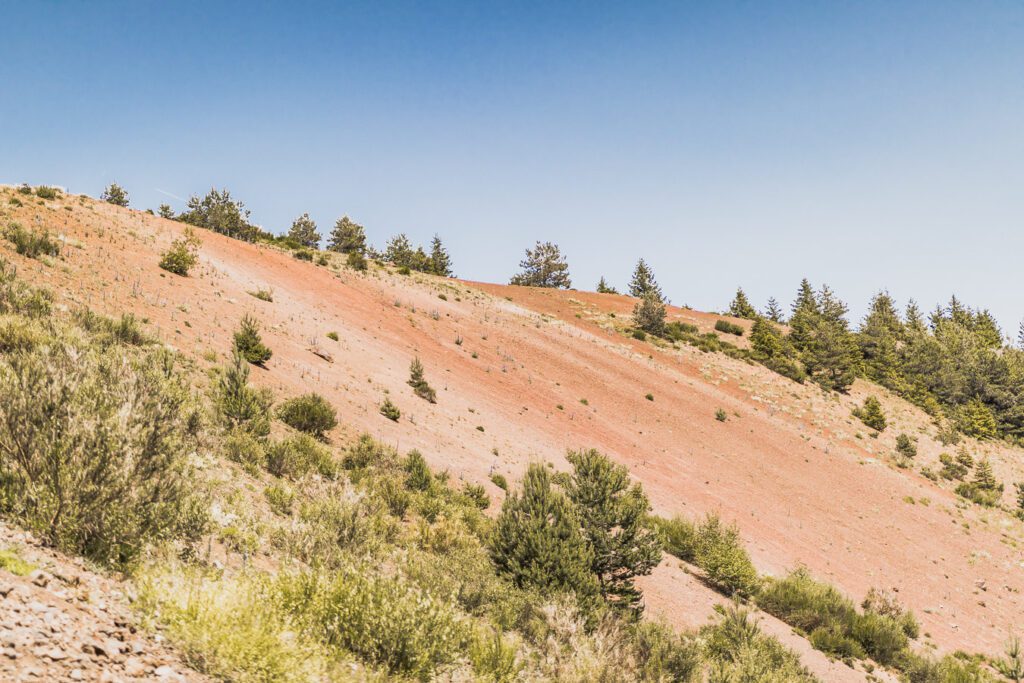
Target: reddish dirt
x,y
804,481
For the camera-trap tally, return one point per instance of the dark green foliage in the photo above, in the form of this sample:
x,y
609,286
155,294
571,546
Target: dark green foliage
x,y
976,419
217,211
182,255
419,385
115,194
820,334
93,444
639,335
347,237
440,261
613,513
679,537
649,315
356,261
390,410
773,311
729,328
721,415
604,288
742,652
871,414
477,495
984,488
31,243
24,188
249,343
46,192
956,468
501,482
664,655
303,255
906,446
309,413
303,232
544,266
741,307
774,351
1020,496
643,283
239,406
165,211
537,539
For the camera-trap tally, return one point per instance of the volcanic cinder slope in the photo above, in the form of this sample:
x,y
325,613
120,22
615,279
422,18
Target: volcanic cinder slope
x,y
524,374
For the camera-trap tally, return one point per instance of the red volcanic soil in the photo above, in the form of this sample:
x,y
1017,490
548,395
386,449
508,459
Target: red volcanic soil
x,y
524,374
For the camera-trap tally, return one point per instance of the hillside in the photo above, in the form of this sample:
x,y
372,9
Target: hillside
x,y
524,374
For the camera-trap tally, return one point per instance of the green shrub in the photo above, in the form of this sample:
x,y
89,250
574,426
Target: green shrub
x,y
639,335
18,297
881,637
46,192
742,652
356,261
280,498
721,555
367,452
871,414
243,448
501,482
239,406
263,295
664,655
182,255
493,658
836,643
31,243
721,415
303,255
125,330
249,343
115,194
477,495
297,456
729,328
906,446
309,413
333,336
419,385
678,535
390,410
24,188
807,604
649,314
97,441
383,620
418,476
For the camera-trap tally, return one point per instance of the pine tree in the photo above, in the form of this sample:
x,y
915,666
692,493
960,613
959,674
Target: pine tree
x,y
614,518
818,330
1020,496
772,311
879,338
440,262
347,237
985,478
774,351
649,314
604,288
115,194
304,232
1020,335
165,211
740,306
218,212
249,344
238,405
399,251
419,385
976,419
871,414
544,266
537,541
643,282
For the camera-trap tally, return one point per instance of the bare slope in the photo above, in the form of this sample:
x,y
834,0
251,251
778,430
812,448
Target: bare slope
x,y
524,374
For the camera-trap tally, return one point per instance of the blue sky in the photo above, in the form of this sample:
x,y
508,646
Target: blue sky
x,y
866,145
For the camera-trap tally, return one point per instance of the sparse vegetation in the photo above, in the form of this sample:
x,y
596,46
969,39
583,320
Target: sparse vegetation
x,y
182,256
31,243
390,410
419,384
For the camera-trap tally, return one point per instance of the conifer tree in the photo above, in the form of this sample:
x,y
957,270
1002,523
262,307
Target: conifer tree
x,y
985,478
165,211
643,282
879,339
649,314
774,351
544,266
773,311
249,343
604,288
347,237
741,307
1020,335
399,251
614,518
418,383
871,414
440,262
239,405
818,330
217,211
537,541
304,232
115,194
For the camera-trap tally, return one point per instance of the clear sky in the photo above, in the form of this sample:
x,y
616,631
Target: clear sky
x,y
866,145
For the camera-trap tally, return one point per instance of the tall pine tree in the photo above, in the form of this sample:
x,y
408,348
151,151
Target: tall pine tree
x,y
347,237
304,232
643,282
440,262
741,307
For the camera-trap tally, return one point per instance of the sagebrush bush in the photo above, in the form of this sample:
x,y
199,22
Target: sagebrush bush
x,y
384,620
297,456
310,413
31,243
93,444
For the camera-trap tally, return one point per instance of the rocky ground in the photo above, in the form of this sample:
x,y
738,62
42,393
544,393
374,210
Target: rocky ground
x,y
61,621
